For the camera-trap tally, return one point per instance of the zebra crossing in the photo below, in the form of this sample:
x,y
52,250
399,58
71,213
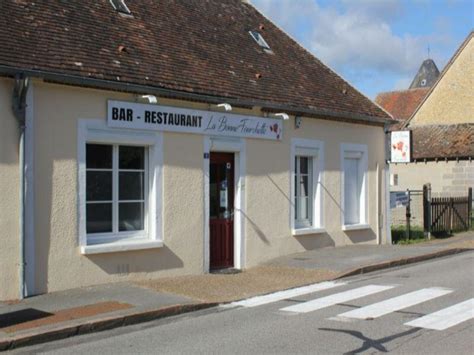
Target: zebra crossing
x,y
439,320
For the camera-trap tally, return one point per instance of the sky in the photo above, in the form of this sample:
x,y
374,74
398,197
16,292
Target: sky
x,y
376,45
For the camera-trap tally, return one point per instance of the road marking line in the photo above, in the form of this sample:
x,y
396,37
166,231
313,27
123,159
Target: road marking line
x,y
394,304
447,317
335,299
282,295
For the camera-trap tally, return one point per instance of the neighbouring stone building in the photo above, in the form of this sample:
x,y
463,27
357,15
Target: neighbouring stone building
x,y
442,128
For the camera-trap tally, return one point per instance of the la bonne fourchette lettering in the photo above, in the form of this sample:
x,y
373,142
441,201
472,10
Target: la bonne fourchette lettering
x,y
158,117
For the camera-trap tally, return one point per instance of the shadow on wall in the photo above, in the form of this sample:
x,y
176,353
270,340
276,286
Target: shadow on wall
x,y
361,236
123,263
285,195
256,228
310,242
43,192
333,199
10,132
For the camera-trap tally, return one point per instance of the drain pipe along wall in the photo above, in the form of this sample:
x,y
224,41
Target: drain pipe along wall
x,y
19,109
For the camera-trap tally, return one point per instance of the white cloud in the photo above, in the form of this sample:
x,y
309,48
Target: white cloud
x,y
402,83
354,34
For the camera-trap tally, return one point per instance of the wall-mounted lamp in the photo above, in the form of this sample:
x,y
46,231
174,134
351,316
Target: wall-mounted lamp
x,y
151,98
298,120
283,115
225,106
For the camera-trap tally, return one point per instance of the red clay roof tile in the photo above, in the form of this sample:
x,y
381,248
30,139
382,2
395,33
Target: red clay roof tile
x,y
401,104
199,46
443,141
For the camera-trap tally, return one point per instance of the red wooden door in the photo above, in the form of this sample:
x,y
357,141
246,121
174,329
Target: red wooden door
x,y
221,200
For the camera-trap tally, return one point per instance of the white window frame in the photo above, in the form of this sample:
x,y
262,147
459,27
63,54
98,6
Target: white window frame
x,y
313,149
97,132
359,151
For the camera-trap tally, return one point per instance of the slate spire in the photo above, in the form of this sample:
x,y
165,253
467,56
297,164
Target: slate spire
x,y
426,76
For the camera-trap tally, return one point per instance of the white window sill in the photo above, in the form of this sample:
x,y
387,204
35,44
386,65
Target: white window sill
x,y
355,227
310,230
120,246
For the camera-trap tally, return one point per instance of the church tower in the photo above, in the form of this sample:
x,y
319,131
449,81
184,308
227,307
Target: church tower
x,y
426,76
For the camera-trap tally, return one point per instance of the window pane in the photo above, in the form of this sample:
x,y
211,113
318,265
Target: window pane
x,y
131,157
131,186
98,156
351,191
304,188
304,165
99,186
131,216
99,217
303,207
213,192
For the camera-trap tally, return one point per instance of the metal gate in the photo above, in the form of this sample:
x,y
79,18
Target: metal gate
x,y
445,215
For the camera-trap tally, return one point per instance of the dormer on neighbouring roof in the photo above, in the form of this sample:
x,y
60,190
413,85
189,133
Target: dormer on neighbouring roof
x,y
426,76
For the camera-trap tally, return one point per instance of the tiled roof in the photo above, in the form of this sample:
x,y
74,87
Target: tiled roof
x,y
194,46
443,141
401,104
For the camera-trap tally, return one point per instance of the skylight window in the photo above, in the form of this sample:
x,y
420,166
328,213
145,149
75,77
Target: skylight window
x,y
119,5
261,41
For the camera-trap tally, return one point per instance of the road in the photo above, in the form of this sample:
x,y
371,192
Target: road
x,y
364,314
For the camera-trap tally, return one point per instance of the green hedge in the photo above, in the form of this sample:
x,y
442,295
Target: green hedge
x,y
399,235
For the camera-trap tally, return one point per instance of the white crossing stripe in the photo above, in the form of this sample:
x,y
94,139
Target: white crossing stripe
x,y
394,304
281,295
447,317
335,299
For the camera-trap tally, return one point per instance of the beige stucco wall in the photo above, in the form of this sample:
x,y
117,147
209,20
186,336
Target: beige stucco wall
x,y
268,189
452,100
446,178
9,195
59,264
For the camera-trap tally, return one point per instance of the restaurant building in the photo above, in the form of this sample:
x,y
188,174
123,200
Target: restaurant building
x,y
161,138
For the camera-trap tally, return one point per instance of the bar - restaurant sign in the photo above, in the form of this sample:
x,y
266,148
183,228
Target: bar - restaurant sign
x,y
121,114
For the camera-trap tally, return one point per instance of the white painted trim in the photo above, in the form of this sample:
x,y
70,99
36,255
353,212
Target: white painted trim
x,y
355,227
96,131
121,246
238,147
306,231
30,259
315,149
388,213
359,151
205,170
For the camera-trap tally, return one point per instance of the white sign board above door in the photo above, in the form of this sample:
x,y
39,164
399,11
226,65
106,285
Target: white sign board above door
x,y
121,114
400,146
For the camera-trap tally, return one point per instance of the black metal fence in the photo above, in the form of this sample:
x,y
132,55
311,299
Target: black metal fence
x,y
445,215
416,214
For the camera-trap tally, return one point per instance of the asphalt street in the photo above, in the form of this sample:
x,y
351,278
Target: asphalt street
x,y
426,308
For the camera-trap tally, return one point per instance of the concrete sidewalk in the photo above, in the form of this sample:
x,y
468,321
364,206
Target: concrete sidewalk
x,y
62,314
